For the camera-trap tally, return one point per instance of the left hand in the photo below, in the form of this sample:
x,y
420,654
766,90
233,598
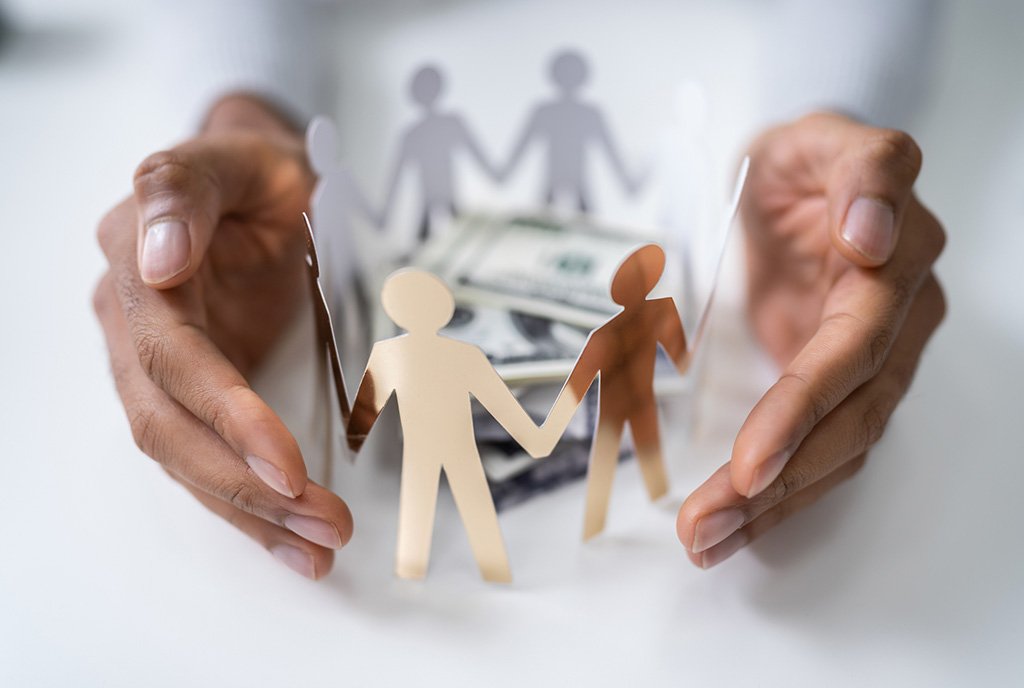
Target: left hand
x,y
842,295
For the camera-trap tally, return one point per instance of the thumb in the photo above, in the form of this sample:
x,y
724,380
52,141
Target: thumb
x,y
181,194
868,193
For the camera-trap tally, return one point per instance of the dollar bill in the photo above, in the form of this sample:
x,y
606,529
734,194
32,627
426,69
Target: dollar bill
x,y
552,268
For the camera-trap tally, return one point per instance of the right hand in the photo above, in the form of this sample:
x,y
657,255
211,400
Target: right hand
x,y
206,270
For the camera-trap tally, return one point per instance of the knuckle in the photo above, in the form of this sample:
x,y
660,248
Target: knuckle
x,y
935,236
152,349
819,399
874,419
786,485
102,298
144,423
895,149
163,172
878,348
241,495
106,231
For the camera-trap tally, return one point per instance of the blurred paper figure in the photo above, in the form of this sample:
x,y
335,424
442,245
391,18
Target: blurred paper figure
x,y
429,147
568,127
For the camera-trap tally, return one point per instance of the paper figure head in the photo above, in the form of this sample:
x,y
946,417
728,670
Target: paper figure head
x,y
569,71
426,86
638,274
322,145
417,301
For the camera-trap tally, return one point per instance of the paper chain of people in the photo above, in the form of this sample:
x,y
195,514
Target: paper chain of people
x,y
433,377
566,125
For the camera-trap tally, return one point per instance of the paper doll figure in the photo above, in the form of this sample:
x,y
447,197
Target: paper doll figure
x,y
335,198
621,355
429,146
568,127
432,378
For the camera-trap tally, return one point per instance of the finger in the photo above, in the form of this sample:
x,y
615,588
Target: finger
x,y
172,346
716,510
869,190
182,193
298,554
862,316
166,431
716,554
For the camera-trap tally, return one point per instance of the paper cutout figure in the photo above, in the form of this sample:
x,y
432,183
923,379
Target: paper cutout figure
x,y
335,198
432,378
429,146
326,342
568,127
621,355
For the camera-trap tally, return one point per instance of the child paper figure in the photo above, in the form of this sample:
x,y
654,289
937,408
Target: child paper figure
x,y
429,146
621,355
432,378
568,127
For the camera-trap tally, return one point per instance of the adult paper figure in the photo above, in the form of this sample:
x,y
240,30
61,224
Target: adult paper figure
x,y
335,198
568,127
429,146
432,378
621,354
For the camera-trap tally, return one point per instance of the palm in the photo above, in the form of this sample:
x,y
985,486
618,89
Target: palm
x,y
794,269
252,278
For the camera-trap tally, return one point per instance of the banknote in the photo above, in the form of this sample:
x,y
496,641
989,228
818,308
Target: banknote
x,y
559,269
525,349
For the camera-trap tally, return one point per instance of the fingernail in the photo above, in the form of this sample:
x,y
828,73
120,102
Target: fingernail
x,y
297,560
725,549
768,471
716,527
165,251
313,529
270,474
870,228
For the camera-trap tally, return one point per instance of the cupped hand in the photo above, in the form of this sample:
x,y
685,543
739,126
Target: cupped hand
x,y
842,295
206,269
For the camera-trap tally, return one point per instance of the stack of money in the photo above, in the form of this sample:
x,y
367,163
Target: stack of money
x,y
528,291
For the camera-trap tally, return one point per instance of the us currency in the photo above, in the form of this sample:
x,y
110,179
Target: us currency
x,y
551,268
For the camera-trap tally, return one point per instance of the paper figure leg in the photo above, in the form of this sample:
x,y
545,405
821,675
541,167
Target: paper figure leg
x,y
647,441
416,508
473,499
604,456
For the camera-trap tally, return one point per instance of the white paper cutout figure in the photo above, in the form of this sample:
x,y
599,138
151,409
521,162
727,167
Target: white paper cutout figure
x,y
335,197
432,378
429,147
335,200
569,127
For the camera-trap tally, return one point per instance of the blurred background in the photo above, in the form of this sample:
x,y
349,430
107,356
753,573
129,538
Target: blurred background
x,y
108,572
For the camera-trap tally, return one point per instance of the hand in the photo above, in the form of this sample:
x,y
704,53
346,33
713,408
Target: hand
x,y
206,268
842,295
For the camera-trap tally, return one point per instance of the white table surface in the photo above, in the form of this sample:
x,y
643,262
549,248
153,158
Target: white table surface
x,y
111,575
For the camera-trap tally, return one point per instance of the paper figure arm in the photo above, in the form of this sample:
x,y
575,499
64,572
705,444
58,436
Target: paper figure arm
x,y
583,374
375,389
529,132
474,149
604,137
393,180
491,391
672,337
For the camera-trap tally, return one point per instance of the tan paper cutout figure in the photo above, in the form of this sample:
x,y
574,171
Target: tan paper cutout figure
x,y
621,355
432,378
